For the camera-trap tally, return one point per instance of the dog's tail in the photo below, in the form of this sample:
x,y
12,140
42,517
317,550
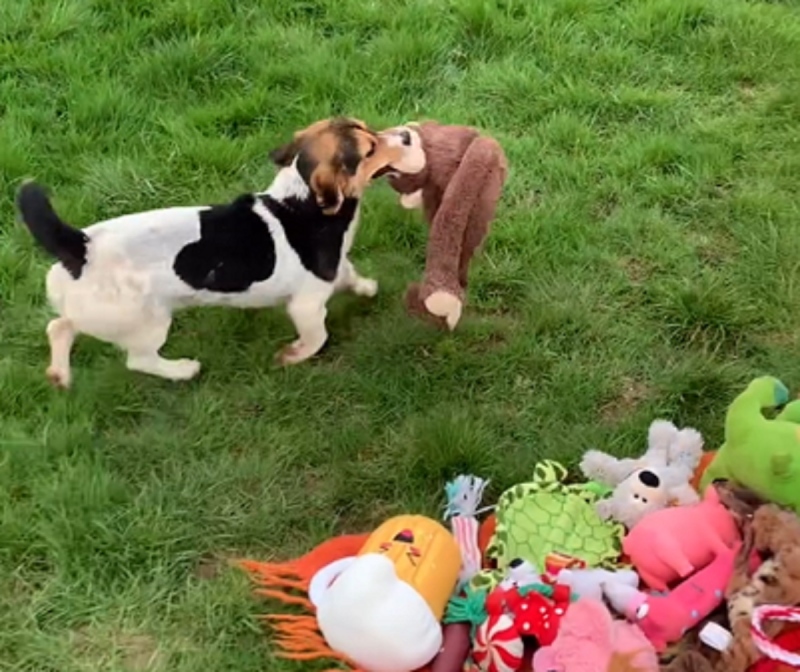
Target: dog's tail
x,y
64,242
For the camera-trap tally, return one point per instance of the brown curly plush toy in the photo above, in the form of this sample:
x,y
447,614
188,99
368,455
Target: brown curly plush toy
x,y
690,661
456,176
776,537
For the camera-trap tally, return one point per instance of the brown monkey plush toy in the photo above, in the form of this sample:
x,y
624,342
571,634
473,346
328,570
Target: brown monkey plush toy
x,y
456,176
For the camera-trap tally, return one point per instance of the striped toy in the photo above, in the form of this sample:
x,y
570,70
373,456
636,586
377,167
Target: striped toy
x,y
498,646
463,499
763,643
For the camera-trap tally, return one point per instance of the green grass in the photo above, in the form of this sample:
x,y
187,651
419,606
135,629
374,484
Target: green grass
x,y
644,264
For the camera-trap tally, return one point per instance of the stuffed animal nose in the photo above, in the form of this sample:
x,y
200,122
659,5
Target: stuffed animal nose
x,y
516,562
649,479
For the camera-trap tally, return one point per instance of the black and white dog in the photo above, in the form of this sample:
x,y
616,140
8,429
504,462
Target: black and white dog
x,y
120,280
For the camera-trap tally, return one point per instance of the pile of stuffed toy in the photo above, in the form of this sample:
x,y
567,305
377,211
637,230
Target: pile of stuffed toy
x,y
681,559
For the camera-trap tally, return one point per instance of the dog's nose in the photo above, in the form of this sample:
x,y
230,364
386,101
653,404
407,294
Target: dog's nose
x,y
649,479
516,562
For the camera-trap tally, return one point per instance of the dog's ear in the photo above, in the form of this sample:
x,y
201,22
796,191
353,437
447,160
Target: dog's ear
x,y
284,155
325,183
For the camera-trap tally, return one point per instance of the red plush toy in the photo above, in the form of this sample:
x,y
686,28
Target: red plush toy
x,y
512,616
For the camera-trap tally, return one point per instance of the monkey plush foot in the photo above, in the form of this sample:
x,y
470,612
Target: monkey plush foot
x,y
441,308
445,305
416,307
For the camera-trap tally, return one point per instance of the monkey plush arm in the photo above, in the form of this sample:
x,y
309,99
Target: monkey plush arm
x,y
459,226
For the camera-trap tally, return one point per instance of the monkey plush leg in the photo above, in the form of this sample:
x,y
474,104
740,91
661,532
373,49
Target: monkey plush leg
x,y
481,217
460,225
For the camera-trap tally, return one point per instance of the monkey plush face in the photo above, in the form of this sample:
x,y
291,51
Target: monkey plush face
x,y
413,159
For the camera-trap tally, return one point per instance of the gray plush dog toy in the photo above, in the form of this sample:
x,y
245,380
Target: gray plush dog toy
x,y
659,478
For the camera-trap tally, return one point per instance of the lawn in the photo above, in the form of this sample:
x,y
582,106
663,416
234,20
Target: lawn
x,y
644,264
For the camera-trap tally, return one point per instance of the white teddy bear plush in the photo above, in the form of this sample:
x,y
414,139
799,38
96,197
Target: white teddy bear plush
x,y
660,478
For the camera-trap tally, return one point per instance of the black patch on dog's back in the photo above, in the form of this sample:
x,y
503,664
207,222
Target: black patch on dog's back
x,y
235,249
317,238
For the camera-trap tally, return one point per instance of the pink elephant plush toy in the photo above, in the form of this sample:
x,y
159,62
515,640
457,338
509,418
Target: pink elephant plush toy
x,y
666,617
672,543
590,640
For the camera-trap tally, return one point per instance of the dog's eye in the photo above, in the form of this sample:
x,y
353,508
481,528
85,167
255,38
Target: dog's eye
x,y
371,150
405,137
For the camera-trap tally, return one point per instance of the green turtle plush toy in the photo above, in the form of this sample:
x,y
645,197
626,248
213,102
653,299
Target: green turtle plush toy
x,y
761,454
546,516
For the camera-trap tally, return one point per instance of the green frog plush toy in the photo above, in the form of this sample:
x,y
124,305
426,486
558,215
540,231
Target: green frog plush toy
x,y
761,454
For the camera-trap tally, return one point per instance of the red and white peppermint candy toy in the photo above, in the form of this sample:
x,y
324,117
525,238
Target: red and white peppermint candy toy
x,y
763,643
498,646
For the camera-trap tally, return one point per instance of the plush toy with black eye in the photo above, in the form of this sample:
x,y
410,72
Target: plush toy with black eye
x,y
456,175
658,479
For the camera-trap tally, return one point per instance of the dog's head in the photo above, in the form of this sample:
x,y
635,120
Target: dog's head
x,y
337,158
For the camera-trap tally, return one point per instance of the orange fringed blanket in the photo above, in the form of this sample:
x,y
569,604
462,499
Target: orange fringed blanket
x,y
297,636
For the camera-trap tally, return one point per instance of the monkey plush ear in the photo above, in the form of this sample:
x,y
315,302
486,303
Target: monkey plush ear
x,y
284,155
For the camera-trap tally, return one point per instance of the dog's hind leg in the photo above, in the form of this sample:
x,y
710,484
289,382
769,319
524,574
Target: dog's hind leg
x,y
143,345
61,334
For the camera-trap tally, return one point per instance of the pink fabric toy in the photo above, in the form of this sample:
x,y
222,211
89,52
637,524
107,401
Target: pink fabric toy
x,y
673,543
664,619
588,639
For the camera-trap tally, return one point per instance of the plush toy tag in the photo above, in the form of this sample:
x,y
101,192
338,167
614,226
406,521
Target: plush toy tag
x,y
715,636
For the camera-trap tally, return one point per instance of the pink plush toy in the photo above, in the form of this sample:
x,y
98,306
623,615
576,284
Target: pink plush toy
x,y
673,543
589,640
665,619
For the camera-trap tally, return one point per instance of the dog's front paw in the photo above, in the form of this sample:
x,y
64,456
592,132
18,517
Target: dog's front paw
x,y
60,378
365,287
182,369
293,354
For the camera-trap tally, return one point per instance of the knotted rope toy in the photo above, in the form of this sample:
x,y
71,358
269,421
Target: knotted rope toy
x,y
463,499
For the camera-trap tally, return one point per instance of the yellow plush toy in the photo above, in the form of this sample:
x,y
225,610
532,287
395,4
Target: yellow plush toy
x,y
382,609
